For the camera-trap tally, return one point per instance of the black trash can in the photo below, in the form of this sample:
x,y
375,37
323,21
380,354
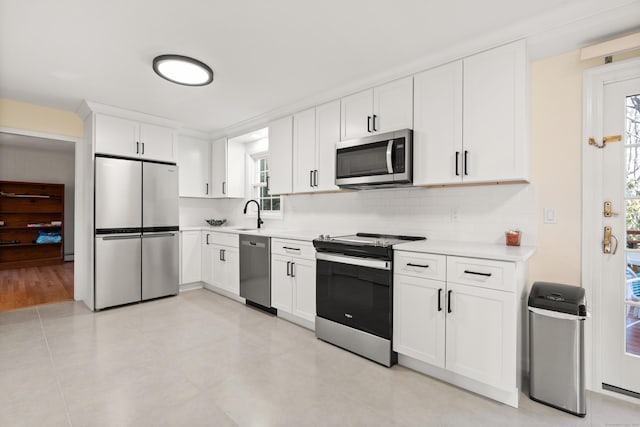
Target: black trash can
x,y
556,346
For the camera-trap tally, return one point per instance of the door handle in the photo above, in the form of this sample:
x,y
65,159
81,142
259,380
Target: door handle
x,y
310,178
466,162
137,147
389,152
293,271
457,163
374,123
440,299
449,301
288,268
222,255
224,187
207,188
606,241
369,124
315,177
207,239
142,148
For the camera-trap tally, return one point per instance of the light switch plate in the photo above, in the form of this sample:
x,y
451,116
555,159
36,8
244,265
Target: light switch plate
x,y
550,216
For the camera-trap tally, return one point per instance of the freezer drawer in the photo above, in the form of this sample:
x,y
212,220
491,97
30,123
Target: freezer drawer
x,y
159,265
118,193
159,195
118,272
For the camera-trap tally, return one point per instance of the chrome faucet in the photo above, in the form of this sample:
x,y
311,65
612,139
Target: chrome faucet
x,y
260,221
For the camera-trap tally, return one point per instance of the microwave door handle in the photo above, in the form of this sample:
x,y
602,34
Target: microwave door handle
x,y
389,152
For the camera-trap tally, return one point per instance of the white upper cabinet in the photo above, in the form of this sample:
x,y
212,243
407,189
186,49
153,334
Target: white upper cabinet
x,y
494,125
304,151
129,138
227,169
382,109
280,156
437,132
327,135
193,165
469,119
315,134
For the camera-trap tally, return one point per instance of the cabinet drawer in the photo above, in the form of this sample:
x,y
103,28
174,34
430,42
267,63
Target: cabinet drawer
x,y
222,239
428,266
499,275
297,248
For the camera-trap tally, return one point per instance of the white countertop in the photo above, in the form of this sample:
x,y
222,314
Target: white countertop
x,y
469,249
293,234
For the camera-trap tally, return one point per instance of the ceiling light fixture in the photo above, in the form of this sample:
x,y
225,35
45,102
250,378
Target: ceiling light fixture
x,y
182,70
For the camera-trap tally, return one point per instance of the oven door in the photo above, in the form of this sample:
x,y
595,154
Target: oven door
x,y
355,292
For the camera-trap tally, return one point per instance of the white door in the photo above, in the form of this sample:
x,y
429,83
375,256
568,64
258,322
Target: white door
x,y
480,333
157,142
620,282
193,164
304,292
280,158
393,106
281,286
117,136
207,258
437,131
419,318
191,256
327,136
357,114
218,167
304,150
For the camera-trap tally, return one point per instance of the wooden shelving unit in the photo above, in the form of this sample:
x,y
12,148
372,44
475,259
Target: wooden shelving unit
x,y
22,206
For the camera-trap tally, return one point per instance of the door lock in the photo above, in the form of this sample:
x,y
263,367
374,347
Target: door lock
x,y
607,212
606,241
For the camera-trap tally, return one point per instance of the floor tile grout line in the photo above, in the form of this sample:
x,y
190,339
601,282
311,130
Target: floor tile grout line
x,y
55,369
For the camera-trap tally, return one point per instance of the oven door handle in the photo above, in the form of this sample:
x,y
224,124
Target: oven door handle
x,y
350,260
389,153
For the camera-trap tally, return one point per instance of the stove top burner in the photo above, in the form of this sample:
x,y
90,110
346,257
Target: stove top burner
x,y
369,239
362,244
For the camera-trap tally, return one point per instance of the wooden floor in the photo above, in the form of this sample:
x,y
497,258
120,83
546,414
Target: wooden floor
x,y
26,287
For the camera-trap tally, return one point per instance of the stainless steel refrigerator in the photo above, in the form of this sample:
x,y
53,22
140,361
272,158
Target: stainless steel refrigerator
x,y
136,230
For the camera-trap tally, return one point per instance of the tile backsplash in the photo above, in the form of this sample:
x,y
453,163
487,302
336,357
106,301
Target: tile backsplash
x,y
474,214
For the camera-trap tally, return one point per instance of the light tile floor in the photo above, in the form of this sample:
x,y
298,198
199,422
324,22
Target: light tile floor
x,y
200,359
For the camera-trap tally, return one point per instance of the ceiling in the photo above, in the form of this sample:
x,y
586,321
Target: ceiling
x,y
266,55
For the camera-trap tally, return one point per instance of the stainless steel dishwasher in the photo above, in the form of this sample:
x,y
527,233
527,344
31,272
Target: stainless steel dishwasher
x,y
255,269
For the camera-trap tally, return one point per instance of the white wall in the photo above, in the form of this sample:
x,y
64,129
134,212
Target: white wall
x,y
42,165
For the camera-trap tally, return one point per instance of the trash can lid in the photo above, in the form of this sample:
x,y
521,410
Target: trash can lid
x,y
558,297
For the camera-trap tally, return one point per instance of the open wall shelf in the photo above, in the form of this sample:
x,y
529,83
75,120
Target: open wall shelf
x,y
25,209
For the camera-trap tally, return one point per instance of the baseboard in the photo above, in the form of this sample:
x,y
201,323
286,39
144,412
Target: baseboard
x,y
190,286
223,292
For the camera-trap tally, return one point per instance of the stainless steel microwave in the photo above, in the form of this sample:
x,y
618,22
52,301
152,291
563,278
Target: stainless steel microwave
x,y
377,161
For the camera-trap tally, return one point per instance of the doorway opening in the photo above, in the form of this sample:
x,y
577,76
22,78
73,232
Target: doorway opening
x,y
37,181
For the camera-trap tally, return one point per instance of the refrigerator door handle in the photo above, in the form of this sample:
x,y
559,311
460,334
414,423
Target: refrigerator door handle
x,y
148,236
120,237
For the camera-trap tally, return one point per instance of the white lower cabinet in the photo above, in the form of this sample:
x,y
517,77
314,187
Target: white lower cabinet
x,y
293,280
190,256
221,261
469,329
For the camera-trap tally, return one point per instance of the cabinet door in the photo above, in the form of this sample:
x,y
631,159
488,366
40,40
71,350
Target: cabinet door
x,y
304,150
304,292
481,335
219,167
419,318
357,112
437,131
494,114
207,258
393,106
157,142
227,268
191,256
117,136
281,283
193,163
327,135
280,158
235,170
